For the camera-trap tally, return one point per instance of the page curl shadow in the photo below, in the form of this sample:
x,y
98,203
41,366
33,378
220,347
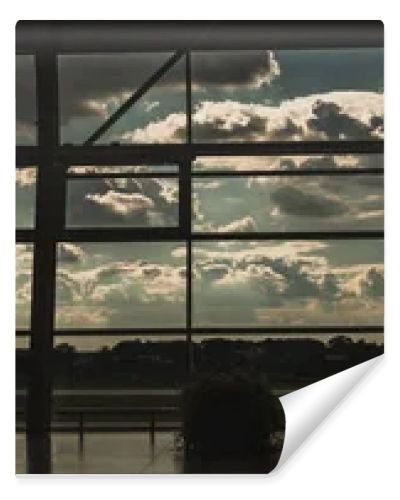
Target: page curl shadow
x,y
307,408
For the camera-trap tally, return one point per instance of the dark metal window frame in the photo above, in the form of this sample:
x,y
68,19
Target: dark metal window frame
x,y
53,159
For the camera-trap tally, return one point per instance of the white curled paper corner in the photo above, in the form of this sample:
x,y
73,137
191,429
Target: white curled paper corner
x,y
307,408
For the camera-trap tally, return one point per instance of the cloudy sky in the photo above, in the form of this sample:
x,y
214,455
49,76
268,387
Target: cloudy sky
x,y
252,203
237,96
288,283
282,95
251,283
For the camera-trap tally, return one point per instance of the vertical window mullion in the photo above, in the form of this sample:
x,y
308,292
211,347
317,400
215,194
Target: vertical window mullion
x,y
48,221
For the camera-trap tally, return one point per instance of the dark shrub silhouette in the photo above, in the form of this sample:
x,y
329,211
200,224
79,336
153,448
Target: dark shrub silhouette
x,y
229,425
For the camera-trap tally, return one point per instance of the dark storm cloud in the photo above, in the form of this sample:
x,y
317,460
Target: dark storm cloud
x,y
274,278
85,80
214,271
331,120
233,68
88,78
293,201
250,128
298,282
289,129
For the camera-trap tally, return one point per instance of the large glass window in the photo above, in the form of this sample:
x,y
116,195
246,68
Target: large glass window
x,y
236,224
121,285
287,203
288,95
94,87
288,283
119,362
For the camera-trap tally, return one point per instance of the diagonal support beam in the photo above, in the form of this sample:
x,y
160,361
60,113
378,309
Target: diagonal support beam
x,y
134,98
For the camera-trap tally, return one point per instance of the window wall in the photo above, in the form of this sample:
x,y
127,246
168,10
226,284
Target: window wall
x,y
178,211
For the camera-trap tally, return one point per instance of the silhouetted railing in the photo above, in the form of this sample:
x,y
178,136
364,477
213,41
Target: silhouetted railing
x,y
81,421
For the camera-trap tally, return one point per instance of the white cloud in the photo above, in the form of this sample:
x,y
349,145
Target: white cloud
x,y
246,224
289,269
149,106
25,176
338,114
110,290
122,203
169,129
69,253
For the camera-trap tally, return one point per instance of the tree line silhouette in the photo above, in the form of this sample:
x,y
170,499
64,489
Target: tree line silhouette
x,y
287,363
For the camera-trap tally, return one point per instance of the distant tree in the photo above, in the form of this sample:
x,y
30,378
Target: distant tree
x,y
340,342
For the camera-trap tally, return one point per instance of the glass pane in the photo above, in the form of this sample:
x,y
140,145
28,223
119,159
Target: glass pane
x,y
119,388
328,94
125,362
23,286
287,162
129,202
288,283
153,117
281,203
116,285
25,197
25,93
289,362
93,87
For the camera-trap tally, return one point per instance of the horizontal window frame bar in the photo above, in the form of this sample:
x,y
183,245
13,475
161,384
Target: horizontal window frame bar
x,y
23,332
122,155
158,234
288,173
281,148
122,235
290,235
25,236
177,332
127,155
27,156
106,154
